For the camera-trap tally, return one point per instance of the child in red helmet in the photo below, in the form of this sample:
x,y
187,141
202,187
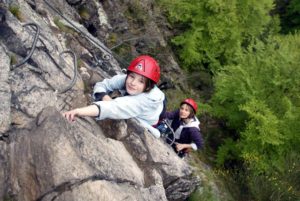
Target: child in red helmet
x,y
186,127
141,99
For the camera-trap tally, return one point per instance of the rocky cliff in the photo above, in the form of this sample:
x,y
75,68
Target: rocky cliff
x,y
51,54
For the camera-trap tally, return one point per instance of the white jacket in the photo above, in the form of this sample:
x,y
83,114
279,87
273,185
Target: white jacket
x,y
145,107
193,123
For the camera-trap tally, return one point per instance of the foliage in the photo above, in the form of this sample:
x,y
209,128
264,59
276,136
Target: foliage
x,y
13,59
213,186
268,186
257,79
62,26
228,152
206,194
174,98
8,198
277,186
213,33
289,12
202,81
235,180
79,63
84,13
260,98
135,13
112,39
15,10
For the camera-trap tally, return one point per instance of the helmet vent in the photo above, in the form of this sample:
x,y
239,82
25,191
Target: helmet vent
x,y
140,66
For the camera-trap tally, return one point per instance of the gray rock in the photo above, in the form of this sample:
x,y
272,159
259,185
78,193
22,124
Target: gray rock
x,y
115,129
104,190
74,2
3,169
5,92
55,154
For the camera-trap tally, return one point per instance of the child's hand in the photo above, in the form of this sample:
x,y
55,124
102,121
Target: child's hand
x,y
106,98
180,147
70,115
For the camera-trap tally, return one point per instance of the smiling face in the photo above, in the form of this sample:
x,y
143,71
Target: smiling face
x,y
135,83
185,111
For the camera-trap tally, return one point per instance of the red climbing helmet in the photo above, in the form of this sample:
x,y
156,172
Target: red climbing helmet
x,y
146,66
192,103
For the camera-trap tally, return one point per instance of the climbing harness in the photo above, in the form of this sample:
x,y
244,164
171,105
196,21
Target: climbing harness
x,y
168,136
33,47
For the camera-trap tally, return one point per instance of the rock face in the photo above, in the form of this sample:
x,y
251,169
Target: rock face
x,y
55,159
5,92
42,156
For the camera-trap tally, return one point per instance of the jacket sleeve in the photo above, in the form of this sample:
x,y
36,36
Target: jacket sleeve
x,y
124,108
108,85
155,132
196,137
120,108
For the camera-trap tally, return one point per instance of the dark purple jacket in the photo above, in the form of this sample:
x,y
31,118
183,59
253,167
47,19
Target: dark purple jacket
x,y
188,134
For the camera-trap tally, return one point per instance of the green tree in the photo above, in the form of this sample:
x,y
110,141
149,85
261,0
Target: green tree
x,y
212,33
257,79
260,98
289,12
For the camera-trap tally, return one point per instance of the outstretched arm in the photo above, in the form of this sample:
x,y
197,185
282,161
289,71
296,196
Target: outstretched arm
x,y
90,111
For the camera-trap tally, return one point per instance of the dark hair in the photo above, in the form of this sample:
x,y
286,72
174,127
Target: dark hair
x,y
192,111
149,83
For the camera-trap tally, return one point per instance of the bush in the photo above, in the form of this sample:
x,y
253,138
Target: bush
x,y
260,98
214,33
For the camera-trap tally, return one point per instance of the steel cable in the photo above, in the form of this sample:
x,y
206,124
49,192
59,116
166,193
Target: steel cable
x,y
96,43
75,71
33,44
33,47
75,27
